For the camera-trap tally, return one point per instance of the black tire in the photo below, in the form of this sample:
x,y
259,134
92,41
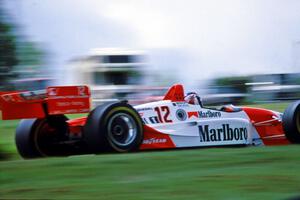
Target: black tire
x,y
291,122
40,137
113,127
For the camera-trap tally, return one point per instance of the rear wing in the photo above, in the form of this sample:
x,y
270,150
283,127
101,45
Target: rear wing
x,y
52,101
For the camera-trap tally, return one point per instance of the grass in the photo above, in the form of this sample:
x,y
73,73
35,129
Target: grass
x,y
7,135
214,173
221,173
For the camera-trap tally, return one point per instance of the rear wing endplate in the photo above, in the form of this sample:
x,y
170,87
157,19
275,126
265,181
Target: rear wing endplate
x,y
52,101
68,100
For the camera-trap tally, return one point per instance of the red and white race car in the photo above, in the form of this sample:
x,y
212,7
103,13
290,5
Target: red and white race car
x,y
177,121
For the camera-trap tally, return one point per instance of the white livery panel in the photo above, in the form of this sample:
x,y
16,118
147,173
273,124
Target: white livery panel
x,y
191,125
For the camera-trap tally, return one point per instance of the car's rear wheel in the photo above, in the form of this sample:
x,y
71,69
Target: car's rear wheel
x,y
42,137
291,122
113,126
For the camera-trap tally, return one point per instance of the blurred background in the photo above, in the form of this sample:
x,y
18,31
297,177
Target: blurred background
x,y
232,51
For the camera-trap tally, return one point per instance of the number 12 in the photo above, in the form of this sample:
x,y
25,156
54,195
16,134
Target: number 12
x,y
166,113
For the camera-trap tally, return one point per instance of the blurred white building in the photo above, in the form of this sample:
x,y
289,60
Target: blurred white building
x,y
113,74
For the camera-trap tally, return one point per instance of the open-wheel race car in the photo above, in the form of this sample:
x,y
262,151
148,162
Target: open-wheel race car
x,y
176,121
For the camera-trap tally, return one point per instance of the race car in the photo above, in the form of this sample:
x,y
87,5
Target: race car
x,y
176,121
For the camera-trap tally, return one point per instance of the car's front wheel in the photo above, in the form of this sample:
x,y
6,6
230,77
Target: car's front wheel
x,y
113,126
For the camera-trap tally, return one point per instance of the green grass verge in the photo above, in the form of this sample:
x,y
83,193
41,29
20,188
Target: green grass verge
x,y
7,139
216,173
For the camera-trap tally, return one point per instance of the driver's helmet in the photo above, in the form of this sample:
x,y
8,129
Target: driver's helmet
x,y
193,98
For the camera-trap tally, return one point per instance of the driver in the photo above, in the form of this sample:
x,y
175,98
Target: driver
x,y
193,98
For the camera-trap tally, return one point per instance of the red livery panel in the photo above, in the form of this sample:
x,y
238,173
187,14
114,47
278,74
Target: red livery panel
x,y
153,139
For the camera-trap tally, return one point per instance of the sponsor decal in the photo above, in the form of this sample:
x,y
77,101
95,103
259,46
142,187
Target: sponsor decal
x,y
73,103
224,133
181,115
207,114
193,114
145,121
151,120
143,109
81,91
155,141
181,104
154,120
32,95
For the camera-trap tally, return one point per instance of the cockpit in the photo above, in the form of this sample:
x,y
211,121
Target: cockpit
x,y
176,94
193,98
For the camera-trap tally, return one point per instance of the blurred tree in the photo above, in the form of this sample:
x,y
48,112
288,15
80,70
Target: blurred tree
x,y
30,58
19,57
237,83
8,56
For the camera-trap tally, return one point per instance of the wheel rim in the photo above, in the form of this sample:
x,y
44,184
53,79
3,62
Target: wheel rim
x,y
122,129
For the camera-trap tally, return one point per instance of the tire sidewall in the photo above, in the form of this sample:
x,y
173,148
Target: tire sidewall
x,y
28,131
291,122
24,138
